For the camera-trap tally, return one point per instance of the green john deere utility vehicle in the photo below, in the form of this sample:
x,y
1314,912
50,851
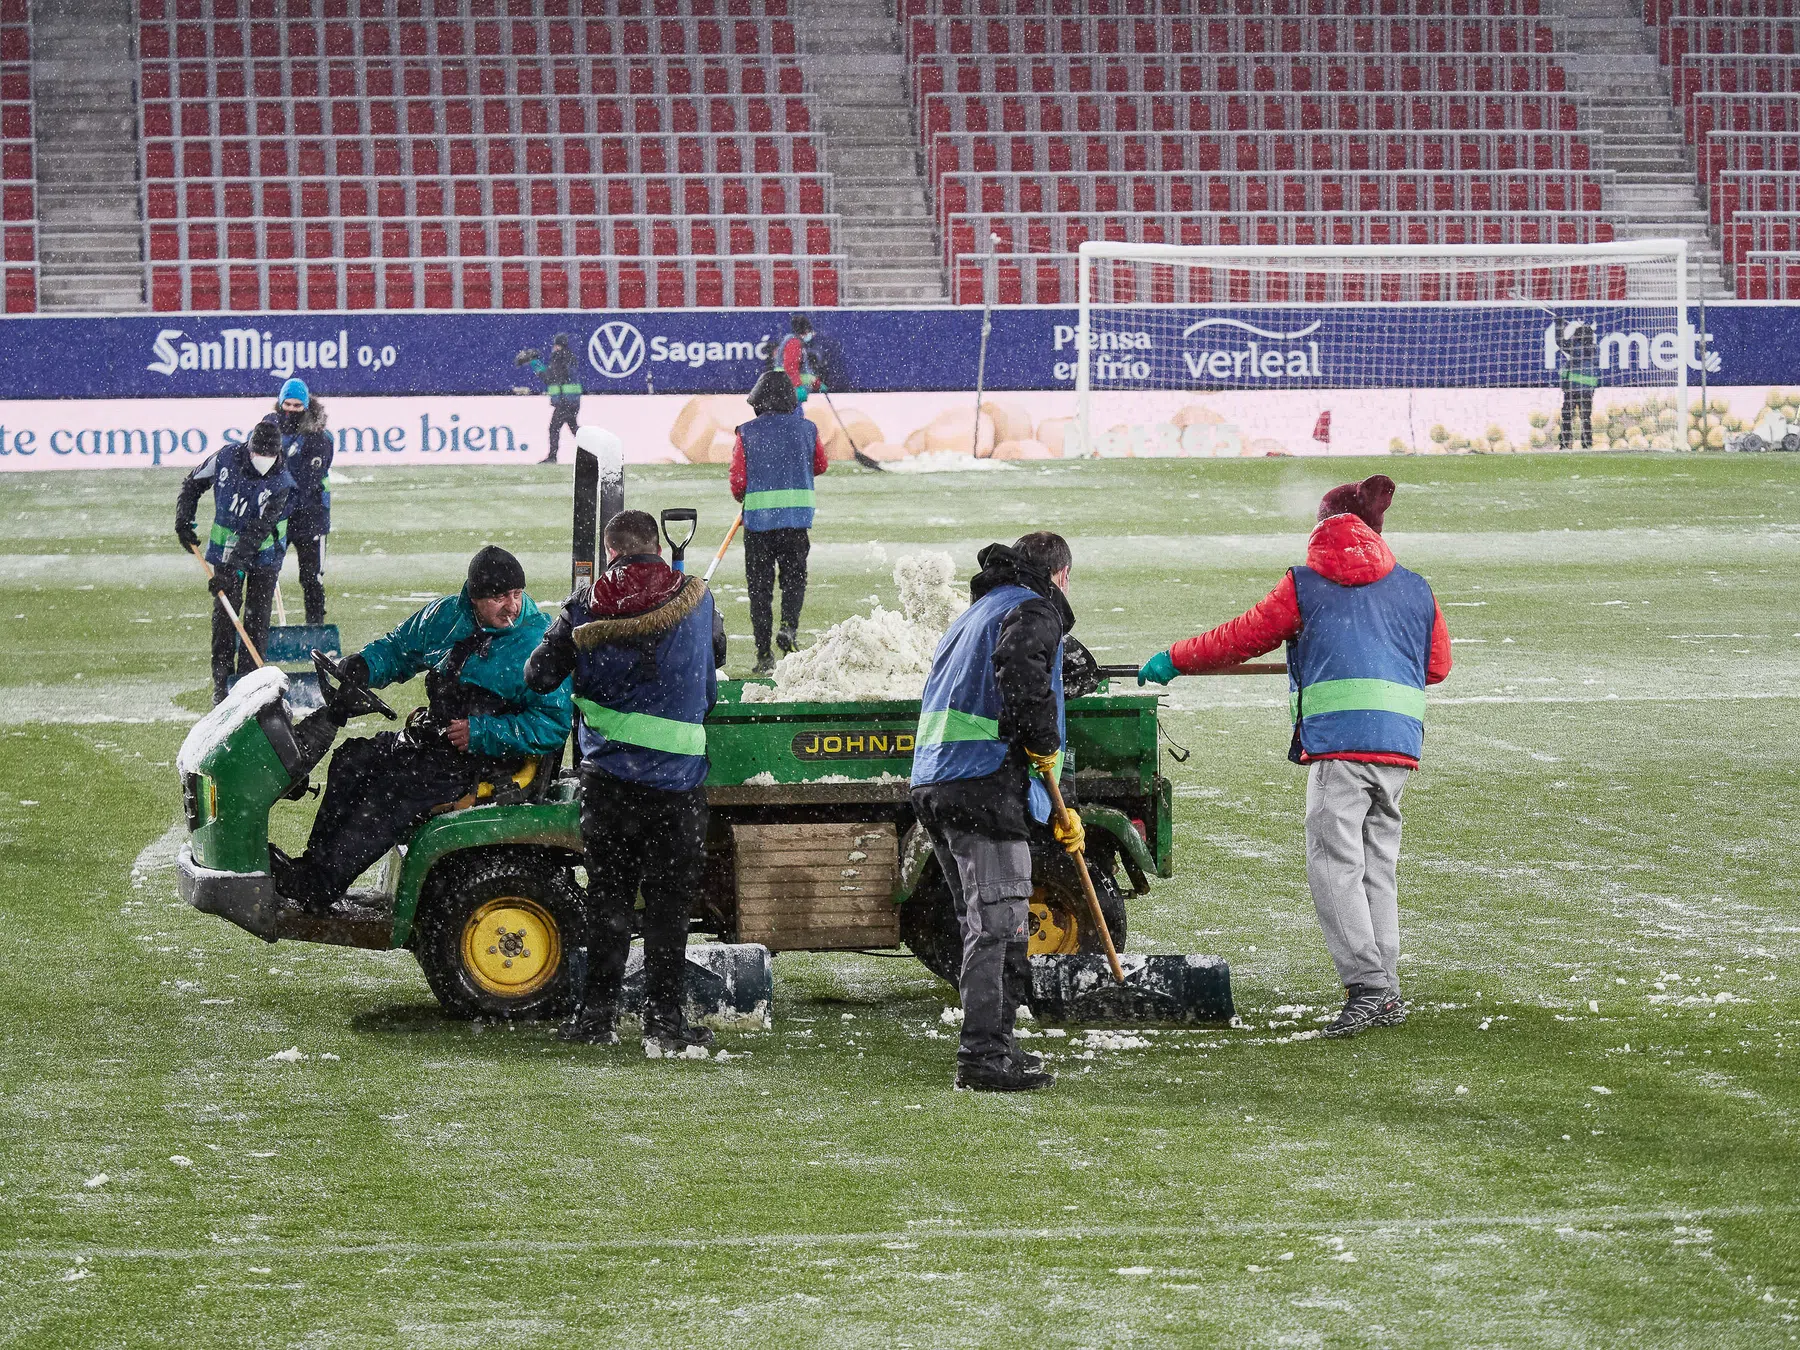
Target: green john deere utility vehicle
x,y
813,846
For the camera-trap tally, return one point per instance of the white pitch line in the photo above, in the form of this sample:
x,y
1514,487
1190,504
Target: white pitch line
x,y
1074,1232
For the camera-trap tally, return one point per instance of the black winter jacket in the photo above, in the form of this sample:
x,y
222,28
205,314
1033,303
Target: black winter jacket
x,y
307,447
996,806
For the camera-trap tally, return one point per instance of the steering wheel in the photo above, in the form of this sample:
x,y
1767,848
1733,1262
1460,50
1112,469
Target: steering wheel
x,y
362,699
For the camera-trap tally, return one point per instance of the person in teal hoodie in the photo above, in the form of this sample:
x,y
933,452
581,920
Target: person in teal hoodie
x,y
481,722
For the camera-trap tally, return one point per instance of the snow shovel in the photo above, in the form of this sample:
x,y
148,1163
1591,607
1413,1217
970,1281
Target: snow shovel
x,y
297,642
719,557
856,452
683,515
1087,882
224,604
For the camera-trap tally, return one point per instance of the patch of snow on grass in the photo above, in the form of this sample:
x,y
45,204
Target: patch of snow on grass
x,y
946,461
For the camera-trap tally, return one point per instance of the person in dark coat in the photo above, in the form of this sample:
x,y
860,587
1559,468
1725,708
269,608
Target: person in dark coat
x,y
1580,377
557,371
481,723
773,465
991,725
306,449
643,646
252,492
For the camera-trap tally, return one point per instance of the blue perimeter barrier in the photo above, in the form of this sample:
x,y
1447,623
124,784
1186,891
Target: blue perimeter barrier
x,y
723,351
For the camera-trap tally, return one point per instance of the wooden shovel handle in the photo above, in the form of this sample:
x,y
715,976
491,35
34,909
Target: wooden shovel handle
x,y
225,605
1087,885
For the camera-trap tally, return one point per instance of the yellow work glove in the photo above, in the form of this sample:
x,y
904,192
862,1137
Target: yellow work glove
x,y
1044,764
1066,826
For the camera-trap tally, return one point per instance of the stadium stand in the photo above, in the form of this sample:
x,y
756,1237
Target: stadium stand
x,y
18,172
391,154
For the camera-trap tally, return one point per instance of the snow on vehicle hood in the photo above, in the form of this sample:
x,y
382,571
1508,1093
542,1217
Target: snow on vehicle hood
x,y
248,697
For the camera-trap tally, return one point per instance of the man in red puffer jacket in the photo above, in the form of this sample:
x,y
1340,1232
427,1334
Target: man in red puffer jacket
x,y
1364,637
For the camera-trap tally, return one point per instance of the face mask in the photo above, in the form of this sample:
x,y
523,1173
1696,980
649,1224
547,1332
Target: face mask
x,y
289,421
262,463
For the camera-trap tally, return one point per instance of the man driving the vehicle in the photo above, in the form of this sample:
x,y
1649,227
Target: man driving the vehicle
x,y
481,722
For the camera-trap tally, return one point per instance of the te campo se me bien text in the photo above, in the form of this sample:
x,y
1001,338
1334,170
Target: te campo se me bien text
x,y
157,445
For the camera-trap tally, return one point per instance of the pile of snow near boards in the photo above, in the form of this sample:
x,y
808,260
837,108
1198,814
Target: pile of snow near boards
x,y
879,655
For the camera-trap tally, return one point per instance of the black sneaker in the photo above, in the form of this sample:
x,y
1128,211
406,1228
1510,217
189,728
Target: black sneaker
x,y
765,665
669,1036
1364,1004
594,1025
1027,1062
1393,1012
785,639
1004,1077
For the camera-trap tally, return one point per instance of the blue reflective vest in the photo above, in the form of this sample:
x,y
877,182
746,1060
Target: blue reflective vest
x,y
1356,672
778,472
959,715
238,500
643,729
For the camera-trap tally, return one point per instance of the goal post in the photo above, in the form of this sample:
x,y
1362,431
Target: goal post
x,y
1377,348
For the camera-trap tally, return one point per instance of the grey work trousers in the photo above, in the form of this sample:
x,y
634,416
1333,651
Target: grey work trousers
x,y
1352,849
990,883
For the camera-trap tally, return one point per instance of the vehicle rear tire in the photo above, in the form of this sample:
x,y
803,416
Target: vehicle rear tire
x,y
497,934
1059,922
928,925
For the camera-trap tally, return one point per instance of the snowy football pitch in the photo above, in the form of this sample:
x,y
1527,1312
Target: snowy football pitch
x,y
1586,1135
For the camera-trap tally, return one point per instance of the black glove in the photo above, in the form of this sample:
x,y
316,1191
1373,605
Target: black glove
x,y
185,533
526,357
221,580
355,669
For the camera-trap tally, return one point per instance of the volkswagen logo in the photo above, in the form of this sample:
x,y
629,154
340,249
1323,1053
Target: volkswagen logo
x,y
616,349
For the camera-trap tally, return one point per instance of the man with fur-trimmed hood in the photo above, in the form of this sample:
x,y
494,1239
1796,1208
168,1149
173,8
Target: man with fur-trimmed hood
x,y
644,646
306,449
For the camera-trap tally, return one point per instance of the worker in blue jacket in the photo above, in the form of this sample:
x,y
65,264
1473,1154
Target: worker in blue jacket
x,y
643,646
773,465
306,449
252,493
481,722
991,726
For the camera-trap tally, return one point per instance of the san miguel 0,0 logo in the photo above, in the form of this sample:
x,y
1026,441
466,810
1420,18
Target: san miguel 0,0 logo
x,y
812,746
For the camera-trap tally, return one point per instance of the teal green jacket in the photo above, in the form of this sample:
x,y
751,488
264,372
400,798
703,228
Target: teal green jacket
x,y
541,723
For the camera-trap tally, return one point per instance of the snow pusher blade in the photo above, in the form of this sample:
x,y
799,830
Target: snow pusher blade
x,y
723,982
1177,989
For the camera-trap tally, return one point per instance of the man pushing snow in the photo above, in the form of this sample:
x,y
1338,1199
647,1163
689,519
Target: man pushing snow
x,y
1364,638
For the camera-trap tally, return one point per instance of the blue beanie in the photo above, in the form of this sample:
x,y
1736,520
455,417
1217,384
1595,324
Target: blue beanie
x,y
295,388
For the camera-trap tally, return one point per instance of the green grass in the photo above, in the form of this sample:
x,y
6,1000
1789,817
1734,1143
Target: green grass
x,y
1608,804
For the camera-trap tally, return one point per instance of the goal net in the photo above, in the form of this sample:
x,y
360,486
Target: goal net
x,y
1377,348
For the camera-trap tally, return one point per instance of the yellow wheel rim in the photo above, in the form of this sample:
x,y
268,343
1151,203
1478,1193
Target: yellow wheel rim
x,y
511,947
1054,929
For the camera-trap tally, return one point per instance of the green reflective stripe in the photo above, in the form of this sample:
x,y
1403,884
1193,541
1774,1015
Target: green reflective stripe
x,y
1576,377
221,536
947,724
556,389
1332,696
645,729
775,501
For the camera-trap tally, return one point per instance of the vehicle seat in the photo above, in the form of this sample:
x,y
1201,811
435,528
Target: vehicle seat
x,y
531,783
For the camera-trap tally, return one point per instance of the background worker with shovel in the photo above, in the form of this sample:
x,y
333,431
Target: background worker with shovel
x,y
773,465
252,491
306,449
1364,638
991,722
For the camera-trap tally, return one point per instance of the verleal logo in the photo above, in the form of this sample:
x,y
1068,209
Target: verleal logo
x,y
1254,360
616,349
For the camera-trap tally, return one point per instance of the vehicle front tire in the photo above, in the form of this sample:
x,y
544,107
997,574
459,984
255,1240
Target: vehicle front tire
x,y
497,935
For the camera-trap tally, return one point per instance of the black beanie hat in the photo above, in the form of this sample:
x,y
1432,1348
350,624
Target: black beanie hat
x,y
494,571
773,393
265,439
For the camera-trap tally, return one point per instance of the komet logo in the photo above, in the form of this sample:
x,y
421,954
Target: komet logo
x,y
1255,360
1629,350
616,349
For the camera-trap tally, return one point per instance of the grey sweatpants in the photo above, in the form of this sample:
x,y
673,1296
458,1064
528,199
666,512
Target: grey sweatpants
x,y
1352,847
990,882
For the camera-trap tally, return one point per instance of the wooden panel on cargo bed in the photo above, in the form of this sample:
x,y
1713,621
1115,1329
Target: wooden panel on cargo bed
x,y
816,887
